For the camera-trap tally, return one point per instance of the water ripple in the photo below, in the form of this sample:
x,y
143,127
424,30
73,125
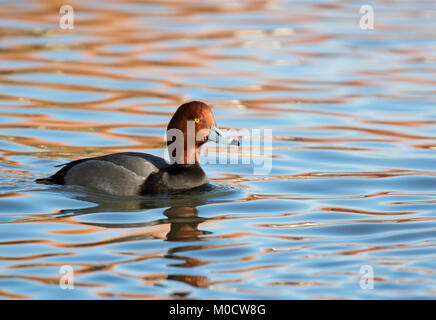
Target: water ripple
x,y
353,180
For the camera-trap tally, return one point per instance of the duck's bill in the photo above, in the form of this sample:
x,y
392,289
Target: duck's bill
x,y
218,136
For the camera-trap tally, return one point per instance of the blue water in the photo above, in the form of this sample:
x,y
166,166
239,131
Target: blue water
x,y
352,182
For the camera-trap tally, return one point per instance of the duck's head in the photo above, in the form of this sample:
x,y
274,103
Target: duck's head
x,y
192,125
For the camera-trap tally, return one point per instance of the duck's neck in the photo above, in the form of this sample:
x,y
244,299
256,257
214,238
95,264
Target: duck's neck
x,y
190,156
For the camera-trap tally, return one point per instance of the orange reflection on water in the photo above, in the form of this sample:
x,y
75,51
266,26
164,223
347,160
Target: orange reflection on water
x,y
353,136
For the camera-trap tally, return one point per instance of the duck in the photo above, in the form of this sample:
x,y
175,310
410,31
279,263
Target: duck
x,y
136,173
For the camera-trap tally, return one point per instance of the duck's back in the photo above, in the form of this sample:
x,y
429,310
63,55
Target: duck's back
x,y
119,173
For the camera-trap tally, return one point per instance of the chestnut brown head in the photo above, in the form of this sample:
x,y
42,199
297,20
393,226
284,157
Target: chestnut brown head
x,y
192,125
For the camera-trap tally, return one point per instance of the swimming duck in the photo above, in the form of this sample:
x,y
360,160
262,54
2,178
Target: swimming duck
x,y
135,173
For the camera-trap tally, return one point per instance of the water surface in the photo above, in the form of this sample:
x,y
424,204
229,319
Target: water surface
x,y
353,179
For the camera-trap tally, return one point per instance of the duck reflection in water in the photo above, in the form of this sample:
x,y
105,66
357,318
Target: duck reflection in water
x,y
181,214
184,224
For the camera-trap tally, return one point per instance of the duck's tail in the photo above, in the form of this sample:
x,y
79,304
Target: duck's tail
x,y
58,177
48,180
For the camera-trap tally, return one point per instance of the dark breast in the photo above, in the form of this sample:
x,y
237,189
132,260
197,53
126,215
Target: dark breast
x,y
175,178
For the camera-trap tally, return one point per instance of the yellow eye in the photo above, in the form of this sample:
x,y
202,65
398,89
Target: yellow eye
x,y
197,120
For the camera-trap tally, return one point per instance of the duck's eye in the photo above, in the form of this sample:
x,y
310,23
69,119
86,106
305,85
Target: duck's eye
x,y
197,120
